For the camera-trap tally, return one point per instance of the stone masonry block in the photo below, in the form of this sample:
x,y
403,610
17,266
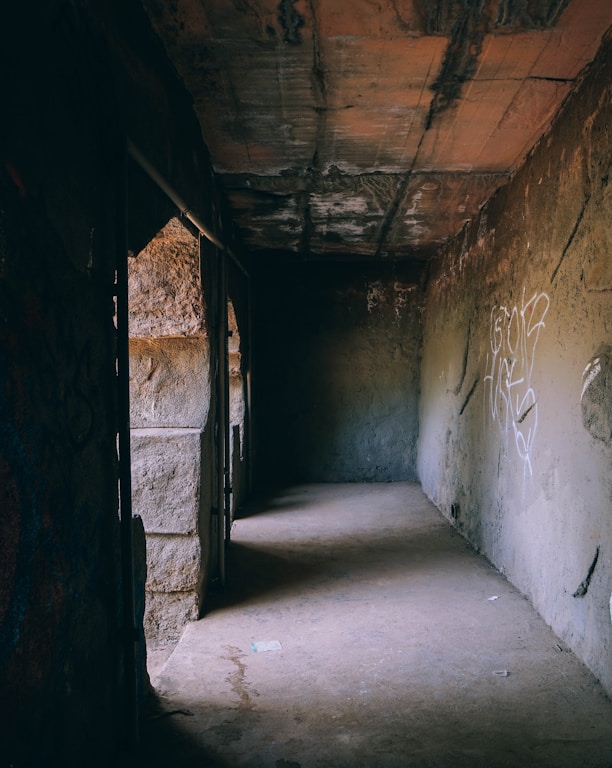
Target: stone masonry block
x,y
174,563
167,613
169,382
165,291
166,479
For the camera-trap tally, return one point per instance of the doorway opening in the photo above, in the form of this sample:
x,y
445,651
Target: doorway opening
x,y
171,432
237,415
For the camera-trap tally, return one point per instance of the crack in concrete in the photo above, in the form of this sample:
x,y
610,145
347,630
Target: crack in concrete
x,y
401,23
469,396
523,79
437,16
308,226
570,239
400,192
462,51
466,352
522,418
555,12
399,195
459,62
318,69
290,21
519,14
585,584
319,90
319,86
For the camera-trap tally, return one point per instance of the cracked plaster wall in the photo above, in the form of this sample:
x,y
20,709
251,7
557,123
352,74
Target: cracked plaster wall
x,y
515,415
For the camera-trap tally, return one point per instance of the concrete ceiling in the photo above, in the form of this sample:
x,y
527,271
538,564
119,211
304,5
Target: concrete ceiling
x,y
372,128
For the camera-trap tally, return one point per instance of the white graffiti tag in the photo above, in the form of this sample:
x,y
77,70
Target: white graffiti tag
x,y
514,337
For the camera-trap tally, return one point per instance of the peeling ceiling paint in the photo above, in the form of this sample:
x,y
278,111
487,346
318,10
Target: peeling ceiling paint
x,y
374,129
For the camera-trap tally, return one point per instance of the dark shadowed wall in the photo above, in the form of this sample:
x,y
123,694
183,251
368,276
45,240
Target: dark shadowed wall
x,y
73,90
336,385
60,608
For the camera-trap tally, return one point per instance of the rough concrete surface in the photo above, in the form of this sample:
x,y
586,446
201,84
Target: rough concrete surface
x,y
372,128
337,377
391,644
515,439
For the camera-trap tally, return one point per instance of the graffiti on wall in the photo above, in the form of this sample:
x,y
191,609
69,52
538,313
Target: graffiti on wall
x,y
396,296
512,401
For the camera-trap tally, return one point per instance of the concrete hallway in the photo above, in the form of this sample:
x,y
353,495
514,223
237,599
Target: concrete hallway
x,y
390,643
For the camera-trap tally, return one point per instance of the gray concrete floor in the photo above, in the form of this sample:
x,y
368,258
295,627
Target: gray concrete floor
x,y
396,645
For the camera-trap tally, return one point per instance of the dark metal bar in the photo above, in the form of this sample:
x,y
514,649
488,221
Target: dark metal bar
x,y
185,211
222,408
131,634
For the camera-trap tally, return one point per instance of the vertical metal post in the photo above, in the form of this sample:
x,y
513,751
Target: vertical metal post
x,y
222,513
130,630
222,407
227,507
249,403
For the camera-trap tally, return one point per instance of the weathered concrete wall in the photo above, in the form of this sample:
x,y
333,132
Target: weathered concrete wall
x,y
170,398
516,408
337,379
60,604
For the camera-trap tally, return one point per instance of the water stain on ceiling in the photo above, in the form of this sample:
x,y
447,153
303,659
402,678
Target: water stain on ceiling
x,y
372,128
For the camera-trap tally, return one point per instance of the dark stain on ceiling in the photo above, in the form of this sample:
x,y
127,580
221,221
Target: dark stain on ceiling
x,y
372,129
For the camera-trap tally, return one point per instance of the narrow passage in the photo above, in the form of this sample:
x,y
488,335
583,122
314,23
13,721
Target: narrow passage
x,y
359,629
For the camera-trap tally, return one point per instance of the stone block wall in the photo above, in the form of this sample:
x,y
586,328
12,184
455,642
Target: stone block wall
x,y
170,392
515,416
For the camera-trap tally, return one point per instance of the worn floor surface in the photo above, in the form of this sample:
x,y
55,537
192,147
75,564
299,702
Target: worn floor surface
x,y
390,644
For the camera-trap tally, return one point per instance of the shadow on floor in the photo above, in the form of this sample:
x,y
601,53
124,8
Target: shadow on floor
x,y
263,570
400,649
165,742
